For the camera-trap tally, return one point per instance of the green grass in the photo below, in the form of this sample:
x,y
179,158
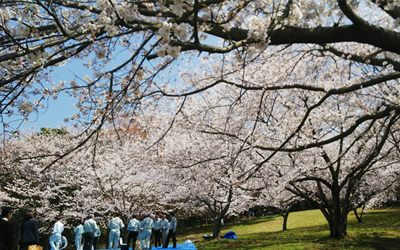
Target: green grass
x,y
380,229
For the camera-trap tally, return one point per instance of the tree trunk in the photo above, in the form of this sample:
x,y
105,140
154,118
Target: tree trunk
x,y
216,228
338,225
357,216
285,219
339,212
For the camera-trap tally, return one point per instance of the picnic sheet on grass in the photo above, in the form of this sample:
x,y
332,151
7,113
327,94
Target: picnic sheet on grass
x,y
183,246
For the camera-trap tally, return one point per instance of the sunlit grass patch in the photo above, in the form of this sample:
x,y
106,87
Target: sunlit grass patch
x,y
380,229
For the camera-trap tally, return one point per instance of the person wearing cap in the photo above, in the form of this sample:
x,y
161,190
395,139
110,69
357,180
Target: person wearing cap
x,y
78,236
55,238
115,226
6,230
89,228
133,228
146,226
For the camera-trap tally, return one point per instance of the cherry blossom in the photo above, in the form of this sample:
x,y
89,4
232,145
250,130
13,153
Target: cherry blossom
x,y
278,82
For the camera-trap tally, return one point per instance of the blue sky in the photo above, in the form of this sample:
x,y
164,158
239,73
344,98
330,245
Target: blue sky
x,y
57,110
63,107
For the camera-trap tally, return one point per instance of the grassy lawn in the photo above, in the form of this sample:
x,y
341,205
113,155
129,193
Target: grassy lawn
x,y
380,229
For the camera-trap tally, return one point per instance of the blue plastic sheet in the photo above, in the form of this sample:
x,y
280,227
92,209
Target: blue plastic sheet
x,y
230,235
183,246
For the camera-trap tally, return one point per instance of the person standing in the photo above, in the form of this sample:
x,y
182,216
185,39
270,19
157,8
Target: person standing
x,y
172,230
157,231
6,230
164,228
115,226
97,233
55,238
29,232
146,226
78,236
133,228
89,228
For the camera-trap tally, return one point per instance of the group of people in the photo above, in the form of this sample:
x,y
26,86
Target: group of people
x,y
86,235
29,231
161,229
57,241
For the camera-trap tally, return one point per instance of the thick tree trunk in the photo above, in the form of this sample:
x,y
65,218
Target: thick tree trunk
x,y
338,224
338,215
338,230
216,228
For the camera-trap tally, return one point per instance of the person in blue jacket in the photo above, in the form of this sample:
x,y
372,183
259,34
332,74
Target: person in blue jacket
x,y
55,238
172,230
146,226
97,233
89,227
115,226
164,228
78,236
157,231
133,228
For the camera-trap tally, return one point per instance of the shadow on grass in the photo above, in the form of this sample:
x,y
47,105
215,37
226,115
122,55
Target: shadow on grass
x,y
379,230
207,229
256,220
315,237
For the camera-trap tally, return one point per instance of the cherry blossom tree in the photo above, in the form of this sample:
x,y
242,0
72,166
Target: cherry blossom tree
x,y
275,119
110,173
48,194
207,169
343,176
272,183
284,75
126,45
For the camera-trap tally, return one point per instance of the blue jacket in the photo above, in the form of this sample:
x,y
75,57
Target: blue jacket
x,y
58,228
147,224
89,226
157,224
97,232
164,224
78,230
173,224
116,224
134,225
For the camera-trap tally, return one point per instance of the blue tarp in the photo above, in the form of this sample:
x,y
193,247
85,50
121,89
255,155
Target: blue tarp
x,y
230,235
183,246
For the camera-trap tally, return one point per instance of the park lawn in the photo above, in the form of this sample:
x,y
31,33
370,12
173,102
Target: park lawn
x,y
380,229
